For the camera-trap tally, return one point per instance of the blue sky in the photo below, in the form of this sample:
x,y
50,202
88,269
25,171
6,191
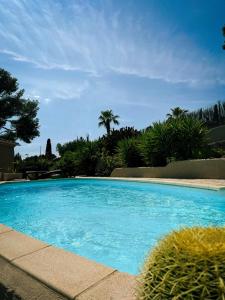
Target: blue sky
x,y
137,57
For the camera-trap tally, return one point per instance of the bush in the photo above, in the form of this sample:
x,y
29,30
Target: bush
x,y
110,141
81,162
73,146
186,264
67,164
129,153
156,144
87,159
33,163
179,138
106,164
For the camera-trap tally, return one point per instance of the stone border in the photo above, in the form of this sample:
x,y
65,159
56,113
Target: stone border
x,y
30,268
209,184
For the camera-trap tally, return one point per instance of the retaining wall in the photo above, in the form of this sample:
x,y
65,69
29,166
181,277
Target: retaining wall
x,y
195,169
11,176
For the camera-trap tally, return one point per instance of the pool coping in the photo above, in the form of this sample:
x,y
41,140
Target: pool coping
x,y
63,273
209,184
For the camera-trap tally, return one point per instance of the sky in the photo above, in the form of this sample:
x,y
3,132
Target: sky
x,y
139,58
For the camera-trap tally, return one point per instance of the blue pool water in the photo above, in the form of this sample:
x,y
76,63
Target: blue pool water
x,y
112,222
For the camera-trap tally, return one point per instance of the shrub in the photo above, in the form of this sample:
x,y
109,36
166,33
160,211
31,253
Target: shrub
x,y
67,164
129,153
81,162
180,138
106,164
186,264
33,163
110,141
156,144
188,137
73,146
87,159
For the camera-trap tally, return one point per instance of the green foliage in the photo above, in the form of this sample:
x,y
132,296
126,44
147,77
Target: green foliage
x,y
188,136
87,158
17,115
156,144
106,164
106,118
33,163
110,141
177,112
68,164
178,138
72,146
83,161
129,153
187,264
48,149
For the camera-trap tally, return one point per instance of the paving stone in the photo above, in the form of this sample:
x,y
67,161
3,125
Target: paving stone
x,y
63,271
14,244
118,286
4,228
17,285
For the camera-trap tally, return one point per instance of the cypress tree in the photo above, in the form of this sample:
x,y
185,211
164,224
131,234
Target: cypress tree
x,y
48,150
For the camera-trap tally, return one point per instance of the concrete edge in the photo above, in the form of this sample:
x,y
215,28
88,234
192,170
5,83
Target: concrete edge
x,y
47,284
168,181
18,285
209,185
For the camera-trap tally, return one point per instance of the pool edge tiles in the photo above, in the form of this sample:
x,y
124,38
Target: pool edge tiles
x,y
68,274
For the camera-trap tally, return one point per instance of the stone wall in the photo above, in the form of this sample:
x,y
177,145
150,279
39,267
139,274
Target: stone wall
x,y
12,176
195,169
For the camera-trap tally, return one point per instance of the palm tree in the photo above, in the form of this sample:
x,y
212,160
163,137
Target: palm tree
x,y
177,112
106,118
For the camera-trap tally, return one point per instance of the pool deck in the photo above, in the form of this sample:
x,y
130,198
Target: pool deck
x,y
32,269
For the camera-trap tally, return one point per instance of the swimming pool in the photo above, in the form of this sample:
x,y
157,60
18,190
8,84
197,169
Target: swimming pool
x,y
112,222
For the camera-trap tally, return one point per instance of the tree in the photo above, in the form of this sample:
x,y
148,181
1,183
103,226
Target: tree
x,y
48,150
106,118
224,36
177,112
18,116
215,114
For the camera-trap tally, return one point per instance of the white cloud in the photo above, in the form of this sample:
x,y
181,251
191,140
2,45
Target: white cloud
x,y
51,89
80,37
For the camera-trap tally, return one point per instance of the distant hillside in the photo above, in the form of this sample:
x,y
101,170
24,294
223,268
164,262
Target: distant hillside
x,y
212,116
217,135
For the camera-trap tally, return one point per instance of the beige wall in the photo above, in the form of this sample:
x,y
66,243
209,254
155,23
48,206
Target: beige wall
x,y
6,156
201,169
